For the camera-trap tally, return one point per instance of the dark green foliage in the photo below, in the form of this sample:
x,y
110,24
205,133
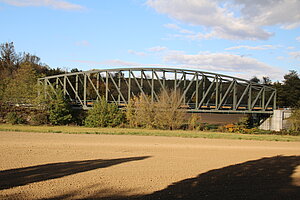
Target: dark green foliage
x,y
59,109
288,92
14,118
39,118
104,114
79,117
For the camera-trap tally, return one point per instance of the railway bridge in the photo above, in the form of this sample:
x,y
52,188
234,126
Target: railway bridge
x,y
200,91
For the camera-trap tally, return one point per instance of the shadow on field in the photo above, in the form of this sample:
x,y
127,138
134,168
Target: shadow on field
x,y
22,176
266,178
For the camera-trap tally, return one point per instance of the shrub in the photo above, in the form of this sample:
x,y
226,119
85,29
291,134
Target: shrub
x,y
59,109
194,122
295,121
14,118
40,118
104,114
163,114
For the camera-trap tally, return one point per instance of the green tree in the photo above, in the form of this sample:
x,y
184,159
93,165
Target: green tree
x,y
59,109
104,114
289,91
295,120
22,87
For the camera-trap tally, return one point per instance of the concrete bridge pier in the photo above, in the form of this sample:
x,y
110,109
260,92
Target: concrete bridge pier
x,y
277,121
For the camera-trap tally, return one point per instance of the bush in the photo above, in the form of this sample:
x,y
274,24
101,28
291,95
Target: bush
x,y
59,109
195,122
295,121
104,114
14,118
40,118
163,114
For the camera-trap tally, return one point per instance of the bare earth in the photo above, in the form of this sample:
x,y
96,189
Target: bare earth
x,y
70,166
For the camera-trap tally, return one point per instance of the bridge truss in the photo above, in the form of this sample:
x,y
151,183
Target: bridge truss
x,y
200,91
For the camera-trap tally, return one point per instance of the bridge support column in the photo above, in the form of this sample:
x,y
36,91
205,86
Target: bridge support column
x,y
277,121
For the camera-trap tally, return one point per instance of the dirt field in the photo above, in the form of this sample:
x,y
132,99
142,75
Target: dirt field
x,y
69,166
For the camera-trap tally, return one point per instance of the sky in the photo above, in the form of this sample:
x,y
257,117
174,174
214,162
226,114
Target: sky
x,y
242,38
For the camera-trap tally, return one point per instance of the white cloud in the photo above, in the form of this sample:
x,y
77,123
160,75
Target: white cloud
x,y
178,28
83,43
157,49
295,55
290,48
115,63
232,19
261,47
298,39
223,62
136,53
56,4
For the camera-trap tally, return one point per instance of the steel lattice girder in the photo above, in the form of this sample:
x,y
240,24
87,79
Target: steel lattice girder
x,y
201,91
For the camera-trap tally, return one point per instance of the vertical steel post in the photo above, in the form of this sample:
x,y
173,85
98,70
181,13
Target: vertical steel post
x,y
119,86
142,82
175,81
65,85
56,83
197,91
106,86
203,86
84,90
97,84
263,98
164,79
184,86
129,86
152,86
234,95
39,87
45,88
250,97
76,84
217,93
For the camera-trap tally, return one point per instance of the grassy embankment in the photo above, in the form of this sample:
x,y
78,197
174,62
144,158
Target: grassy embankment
x,y
146,132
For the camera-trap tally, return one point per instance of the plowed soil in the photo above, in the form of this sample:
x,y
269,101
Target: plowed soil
x,y
70,166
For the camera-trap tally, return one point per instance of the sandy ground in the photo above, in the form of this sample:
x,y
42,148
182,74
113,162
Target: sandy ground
x,y
70,166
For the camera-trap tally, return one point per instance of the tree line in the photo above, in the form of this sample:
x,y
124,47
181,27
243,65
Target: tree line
x,y
18,78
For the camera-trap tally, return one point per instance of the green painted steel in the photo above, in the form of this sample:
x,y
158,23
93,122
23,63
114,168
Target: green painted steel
x,y
200,91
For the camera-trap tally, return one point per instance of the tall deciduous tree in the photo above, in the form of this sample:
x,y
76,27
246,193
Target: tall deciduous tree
x,y
21,88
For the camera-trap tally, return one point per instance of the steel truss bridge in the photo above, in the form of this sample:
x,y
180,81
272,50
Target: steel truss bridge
x,y
200,91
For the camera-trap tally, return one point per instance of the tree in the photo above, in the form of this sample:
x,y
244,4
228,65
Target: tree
x,y
255,79
22,87
59,109
163,114
104,114
167,114
266,80
295,120
289,92
9,59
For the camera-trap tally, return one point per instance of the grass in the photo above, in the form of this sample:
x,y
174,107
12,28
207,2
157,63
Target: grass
x,y
146,132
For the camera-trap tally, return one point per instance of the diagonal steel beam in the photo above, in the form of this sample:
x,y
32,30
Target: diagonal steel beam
x,y
117,87
226,94
255,100
76,94
243,95
206,93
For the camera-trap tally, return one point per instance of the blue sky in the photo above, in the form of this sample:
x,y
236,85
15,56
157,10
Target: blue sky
x,y
236,37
